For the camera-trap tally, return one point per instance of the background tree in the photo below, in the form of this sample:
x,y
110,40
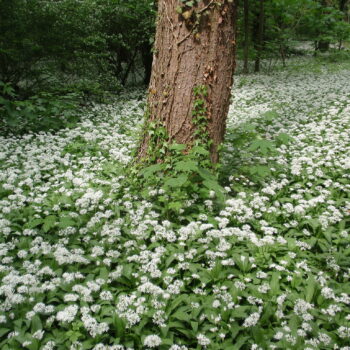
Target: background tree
x,y
246,36
192,72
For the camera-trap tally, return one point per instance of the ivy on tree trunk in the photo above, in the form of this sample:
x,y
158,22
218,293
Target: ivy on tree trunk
x,y
194,48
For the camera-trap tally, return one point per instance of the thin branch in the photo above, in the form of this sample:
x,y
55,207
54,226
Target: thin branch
x,y
205,7
195,26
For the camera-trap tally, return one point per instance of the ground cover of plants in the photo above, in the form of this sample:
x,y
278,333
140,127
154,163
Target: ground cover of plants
x,y
260,262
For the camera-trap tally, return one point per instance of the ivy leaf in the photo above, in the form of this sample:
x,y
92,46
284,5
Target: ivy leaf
x,y
179,9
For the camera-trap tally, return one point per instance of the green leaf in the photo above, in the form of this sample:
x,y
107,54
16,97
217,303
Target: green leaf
x,y
275,283
260,170
36,323
177,146
175,206
240,342
270,115
240,312
119,325
34,223
284,138
206,174
4,331
66,222
310,289
214,186
176,181
186,165
247,127
263,146
182,316
200,150
179,9
150,170
177,301
49,222
194,326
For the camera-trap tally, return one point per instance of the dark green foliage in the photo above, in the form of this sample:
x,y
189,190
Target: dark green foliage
x,y
42,112
52,53
69,41
286,22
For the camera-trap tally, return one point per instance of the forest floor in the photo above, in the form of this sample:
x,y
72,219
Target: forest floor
x,y
86,263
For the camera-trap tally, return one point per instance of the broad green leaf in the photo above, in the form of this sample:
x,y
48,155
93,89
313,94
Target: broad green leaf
x,y
177,147
182,316
240,342
206,174
175,206
176,181
310,289
275,283
284,138
270,115
36,323
4,331
66,222
186,165
260,170
34,223
263,146
49,222
200,150
150,170
214,186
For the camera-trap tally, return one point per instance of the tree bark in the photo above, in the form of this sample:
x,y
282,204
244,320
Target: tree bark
x,y
260,36
195,48
246,37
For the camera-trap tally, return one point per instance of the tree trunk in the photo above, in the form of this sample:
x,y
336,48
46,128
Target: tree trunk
x,y
246,36
343,6
193,49
146,55
260,36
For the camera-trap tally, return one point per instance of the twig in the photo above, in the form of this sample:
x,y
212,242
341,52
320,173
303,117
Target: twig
x,y
205,7
198,13
186,37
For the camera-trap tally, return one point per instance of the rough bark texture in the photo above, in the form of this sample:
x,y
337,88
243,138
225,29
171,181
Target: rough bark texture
x,y
187,55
